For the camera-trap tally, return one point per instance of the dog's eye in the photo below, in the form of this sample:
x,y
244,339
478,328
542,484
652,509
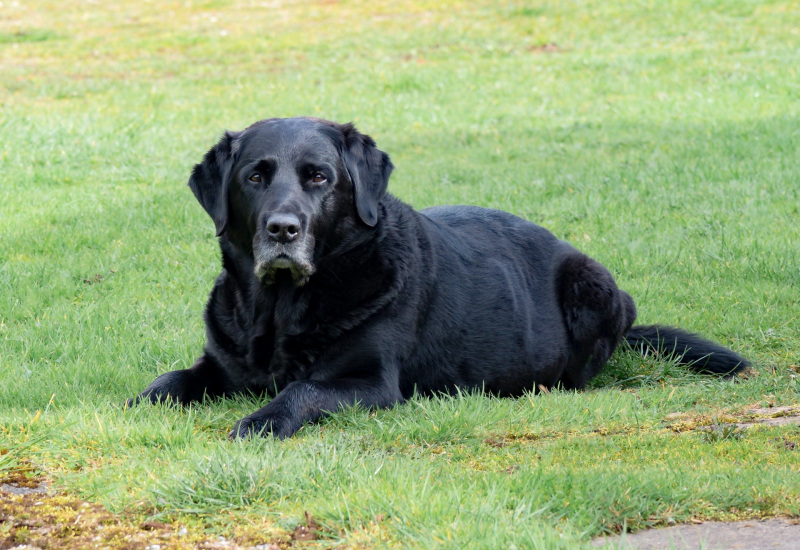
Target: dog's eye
x,y
319,177
255,178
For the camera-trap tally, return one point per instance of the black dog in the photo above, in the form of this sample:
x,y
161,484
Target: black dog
x,y
333,292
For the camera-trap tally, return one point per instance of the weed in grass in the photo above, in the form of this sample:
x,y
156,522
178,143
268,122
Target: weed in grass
x,y
722,432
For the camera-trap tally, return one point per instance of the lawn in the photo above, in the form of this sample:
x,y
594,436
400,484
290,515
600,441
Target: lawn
x,y
661,138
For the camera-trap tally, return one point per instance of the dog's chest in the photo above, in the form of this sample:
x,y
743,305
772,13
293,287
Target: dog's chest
x,y
300,332
294,339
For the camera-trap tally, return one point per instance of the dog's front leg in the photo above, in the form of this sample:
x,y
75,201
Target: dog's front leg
x,y
203,379
307,400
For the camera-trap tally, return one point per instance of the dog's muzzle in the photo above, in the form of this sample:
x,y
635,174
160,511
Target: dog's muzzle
x,y
268,271
269,264
282,245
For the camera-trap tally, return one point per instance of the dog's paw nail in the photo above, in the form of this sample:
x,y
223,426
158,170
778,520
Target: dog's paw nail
x,y
242,430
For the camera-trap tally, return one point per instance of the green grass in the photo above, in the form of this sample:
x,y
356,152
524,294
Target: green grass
x,y
660,138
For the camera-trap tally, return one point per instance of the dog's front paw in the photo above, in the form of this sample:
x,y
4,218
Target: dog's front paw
x,y
263,425
169,387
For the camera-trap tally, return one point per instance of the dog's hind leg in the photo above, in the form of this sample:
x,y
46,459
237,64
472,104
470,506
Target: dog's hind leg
x,y
596,313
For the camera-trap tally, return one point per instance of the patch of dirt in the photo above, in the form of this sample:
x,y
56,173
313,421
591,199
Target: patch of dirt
x,y
502,440
98,278
308,531
787,444
23,481
786,415
773,416
767,534
545,48
34,517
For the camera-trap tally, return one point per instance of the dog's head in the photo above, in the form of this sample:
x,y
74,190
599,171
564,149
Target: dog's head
x,y
285,190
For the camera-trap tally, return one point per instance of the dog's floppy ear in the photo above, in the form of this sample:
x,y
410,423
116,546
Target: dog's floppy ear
x,y
369,170
209,180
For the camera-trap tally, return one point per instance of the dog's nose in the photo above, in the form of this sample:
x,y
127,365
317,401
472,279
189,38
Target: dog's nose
x,y
283,228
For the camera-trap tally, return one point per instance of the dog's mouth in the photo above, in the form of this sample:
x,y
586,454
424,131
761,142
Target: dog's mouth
x,y
282,262
279,266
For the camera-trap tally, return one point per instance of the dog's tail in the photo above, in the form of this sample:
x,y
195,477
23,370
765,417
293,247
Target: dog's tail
x,y
686,348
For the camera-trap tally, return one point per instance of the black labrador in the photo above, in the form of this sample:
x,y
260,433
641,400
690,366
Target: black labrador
x,y
334,293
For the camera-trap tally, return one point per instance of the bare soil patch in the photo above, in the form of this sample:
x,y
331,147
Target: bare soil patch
x,y
34,517
785,415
